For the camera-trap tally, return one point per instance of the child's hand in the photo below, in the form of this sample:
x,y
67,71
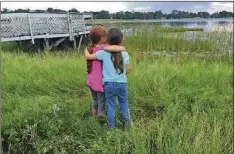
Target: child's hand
x,y
89,56
114,48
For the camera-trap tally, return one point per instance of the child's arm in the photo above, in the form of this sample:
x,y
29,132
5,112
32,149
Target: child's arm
x,y
127,61
114,48
128,68
109,48
89,56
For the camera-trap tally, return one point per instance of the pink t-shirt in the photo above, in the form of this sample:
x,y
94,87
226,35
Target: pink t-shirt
x,y
94,78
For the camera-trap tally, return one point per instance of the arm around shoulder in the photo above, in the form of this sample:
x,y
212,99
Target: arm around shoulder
x,y
114,48
89,56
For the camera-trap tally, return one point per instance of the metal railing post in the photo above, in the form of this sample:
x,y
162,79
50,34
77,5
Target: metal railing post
x,y
30,27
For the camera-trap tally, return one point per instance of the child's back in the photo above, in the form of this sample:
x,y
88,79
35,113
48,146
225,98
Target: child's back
x,y
109,72
115,66
94,71
94,77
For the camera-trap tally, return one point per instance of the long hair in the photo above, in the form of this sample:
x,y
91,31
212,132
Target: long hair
x,y
115,37
95,35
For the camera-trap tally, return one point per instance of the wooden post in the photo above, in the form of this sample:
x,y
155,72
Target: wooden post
x,y
74,42
47,45
30,27
81,37
69,26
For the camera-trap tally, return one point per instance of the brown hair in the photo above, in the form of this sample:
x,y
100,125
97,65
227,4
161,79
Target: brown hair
x,y
115,37
95,35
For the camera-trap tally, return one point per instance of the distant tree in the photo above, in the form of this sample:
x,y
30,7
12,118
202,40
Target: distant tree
x,y
22,11
96,15
50,10
120,15
215,15
203,14
113,16
59,11
149,15
192,15
225,14
137,15
104,14
175,14
184,14
168,16
158,14
5,10
128,15
39,11
73,10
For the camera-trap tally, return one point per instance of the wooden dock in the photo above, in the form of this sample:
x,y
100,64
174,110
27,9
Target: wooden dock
x,y
44,30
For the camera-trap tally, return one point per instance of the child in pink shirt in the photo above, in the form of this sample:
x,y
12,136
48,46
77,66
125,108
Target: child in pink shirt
x,y
94,69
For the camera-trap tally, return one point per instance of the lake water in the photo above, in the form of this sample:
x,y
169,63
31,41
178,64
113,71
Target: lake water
x,y
214,24
207,24
223,27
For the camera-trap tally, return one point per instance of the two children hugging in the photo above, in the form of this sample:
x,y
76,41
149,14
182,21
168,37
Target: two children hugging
x,y
107,66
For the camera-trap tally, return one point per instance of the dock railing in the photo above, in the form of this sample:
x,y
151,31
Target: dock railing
x,y
30,26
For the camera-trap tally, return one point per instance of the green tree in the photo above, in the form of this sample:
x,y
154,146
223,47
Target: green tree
x,y
39,11
158,14
22,11
50,10
73,10
225,14
203,14
215,15
128,15
120,15
149,15
5,10
137,15
59,11
104,14
174,14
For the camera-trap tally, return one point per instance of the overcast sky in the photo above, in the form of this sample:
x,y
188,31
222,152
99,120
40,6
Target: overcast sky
x,y
113,7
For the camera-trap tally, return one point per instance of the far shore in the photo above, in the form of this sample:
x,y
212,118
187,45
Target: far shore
x,y
102,21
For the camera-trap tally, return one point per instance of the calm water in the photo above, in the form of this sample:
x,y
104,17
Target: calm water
x,y
207,24
223,27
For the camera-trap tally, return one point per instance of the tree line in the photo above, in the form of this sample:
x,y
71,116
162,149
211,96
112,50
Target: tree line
x,y
175,14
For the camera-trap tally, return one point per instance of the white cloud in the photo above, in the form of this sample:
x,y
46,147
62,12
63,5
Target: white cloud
x,y
220,6
141,8
80,6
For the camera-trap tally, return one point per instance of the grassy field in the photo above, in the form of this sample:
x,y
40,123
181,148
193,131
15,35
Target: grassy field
x,y
180,104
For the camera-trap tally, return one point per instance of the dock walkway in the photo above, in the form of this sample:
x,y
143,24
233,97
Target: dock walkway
x,y
32,26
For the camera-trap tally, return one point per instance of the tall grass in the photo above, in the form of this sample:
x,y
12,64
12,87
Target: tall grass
x,y
147,37
180,104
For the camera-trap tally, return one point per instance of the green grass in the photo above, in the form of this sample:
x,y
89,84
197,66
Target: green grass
x,y
179,104
46,106
155,38
178,29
